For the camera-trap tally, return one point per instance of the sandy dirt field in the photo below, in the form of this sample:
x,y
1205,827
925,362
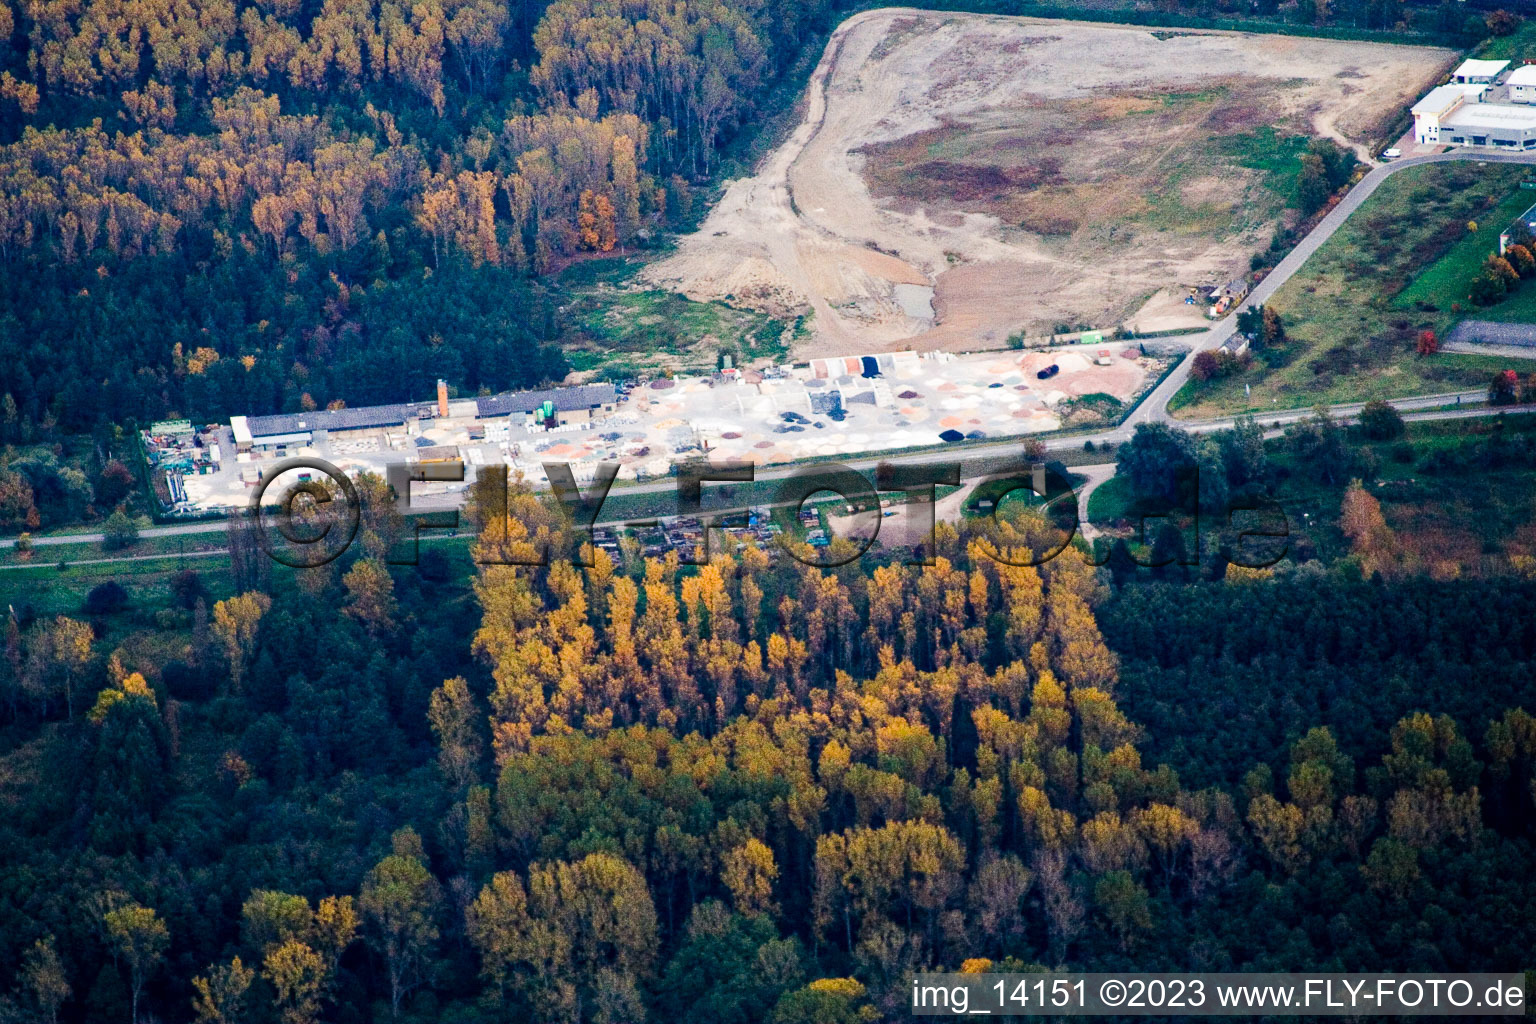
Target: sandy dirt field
x,y
1032,173
906,525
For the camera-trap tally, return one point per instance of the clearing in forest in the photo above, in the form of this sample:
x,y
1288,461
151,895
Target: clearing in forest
x,y
961,178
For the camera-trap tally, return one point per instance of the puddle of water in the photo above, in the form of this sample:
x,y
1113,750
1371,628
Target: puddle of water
x,y
915,300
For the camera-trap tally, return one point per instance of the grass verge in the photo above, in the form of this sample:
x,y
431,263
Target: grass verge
x,y
620,330
1350,315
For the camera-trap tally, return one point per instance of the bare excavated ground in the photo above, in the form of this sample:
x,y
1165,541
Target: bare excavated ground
x,y
1036,174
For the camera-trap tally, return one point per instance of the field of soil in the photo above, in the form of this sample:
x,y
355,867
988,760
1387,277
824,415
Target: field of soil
x,y
1036,175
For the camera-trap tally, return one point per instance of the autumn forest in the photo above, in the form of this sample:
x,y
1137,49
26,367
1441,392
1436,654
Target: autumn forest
x,y
748,790
224,207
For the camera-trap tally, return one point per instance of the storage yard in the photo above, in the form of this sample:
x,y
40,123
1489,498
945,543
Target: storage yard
x,y
826,408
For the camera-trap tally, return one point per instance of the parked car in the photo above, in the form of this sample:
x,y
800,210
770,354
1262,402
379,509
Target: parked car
x,y
1392,154
1049,372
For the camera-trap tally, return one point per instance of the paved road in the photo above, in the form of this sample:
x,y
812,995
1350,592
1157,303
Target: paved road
x,y
209,553
1094,476
1154,408
1484,337
1490,333
1443,406
97,538
1428,407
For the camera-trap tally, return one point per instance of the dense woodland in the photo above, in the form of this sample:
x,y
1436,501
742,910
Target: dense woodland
x,y
217,207
213,207
749,790
210,206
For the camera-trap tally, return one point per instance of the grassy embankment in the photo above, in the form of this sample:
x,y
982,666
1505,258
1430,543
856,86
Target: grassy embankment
x,y
1516,46
621,329
1354,310
1457,493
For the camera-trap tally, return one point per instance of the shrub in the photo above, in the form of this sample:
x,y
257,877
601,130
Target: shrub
x,y
1502,390
119,531
113,485
1210,364
1367,464
1273,334
1380,422
187,588
1442,460
1501,268
1501,22
1487,289
106,598
1521,259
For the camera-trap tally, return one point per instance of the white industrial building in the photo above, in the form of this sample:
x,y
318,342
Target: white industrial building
x,y
581,404
1454,115
1495,125
1522,84
1478,72
1434,108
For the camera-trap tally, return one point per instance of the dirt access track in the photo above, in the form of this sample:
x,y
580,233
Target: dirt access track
x,y
958,178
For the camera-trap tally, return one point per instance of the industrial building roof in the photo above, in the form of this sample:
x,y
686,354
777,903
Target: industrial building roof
x,y
1491,115
171,427
1438,99
364,417
1480,68
295,438
333,419
583,396
1525,74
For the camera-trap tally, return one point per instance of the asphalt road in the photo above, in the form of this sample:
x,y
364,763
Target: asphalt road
x,y
1152,409
1486,332
1430,407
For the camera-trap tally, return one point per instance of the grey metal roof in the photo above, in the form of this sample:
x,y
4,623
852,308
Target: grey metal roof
x,y
362,418
583,396
332,419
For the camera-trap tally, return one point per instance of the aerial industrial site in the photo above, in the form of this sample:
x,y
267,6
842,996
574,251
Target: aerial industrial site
x,y
822,408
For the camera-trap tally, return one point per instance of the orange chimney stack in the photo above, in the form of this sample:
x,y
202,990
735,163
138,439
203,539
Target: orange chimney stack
x,y
442,397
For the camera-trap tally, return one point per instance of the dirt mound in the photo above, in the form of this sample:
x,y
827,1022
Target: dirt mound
x,y
1034,173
